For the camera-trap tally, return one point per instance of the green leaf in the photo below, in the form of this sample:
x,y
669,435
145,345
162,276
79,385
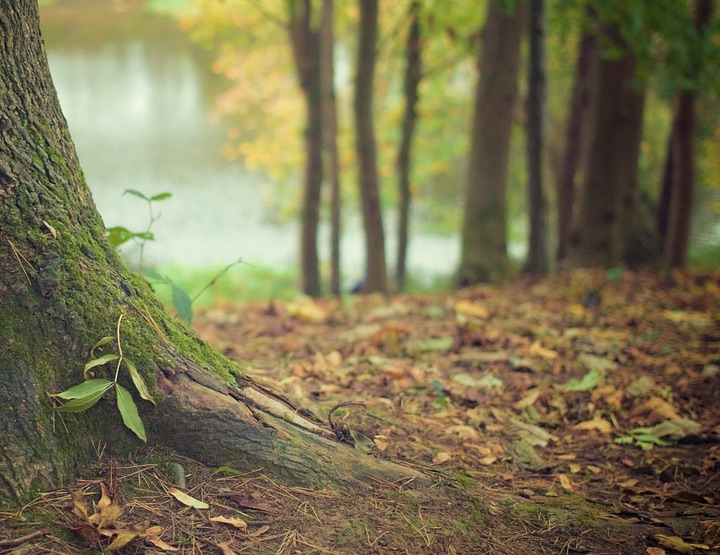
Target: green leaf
x,y
138,381
84,396
161,196
589,381
136,193
118,235
84,389
182,303
104,341
129,412
99,362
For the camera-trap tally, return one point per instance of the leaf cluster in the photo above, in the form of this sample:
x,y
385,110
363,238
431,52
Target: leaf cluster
x,y
83,396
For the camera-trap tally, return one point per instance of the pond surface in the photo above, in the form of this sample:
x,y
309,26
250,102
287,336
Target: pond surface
x,y
139,100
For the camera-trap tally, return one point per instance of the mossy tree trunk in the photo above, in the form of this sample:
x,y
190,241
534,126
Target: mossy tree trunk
x,y
62,287
484,247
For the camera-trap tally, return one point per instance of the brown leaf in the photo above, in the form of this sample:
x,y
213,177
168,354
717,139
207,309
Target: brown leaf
x,y
160,544
238,523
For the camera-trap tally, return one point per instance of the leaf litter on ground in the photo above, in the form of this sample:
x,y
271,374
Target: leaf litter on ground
x,y
532,402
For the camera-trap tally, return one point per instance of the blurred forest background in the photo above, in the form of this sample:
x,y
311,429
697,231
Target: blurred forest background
x,y
474,139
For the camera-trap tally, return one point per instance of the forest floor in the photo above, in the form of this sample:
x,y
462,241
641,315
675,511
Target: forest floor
x,y
577,414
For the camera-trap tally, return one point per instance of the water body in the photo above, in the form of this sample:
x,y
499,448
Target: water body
x,y
139,99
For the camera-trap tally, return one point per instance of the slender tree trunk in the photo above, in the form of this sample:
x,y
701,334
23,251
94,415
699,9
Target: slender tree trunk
x,y
483,247
62,288
537,259
330,126
575,131
606,221
306,49
682,191
375,279
413,75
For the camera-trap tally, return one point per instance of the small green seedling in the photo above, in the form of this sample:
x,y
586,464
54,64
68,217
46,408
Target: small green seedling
x,y
81,397
118,235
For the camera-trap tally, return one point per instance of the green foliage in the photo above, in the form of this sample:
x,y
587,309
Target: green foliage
x,y
84,395
118,235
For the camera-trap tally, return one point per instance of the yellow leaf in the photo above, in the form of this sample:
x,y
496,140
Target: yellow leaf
x,y
463,432
598,423
528,400
469,308
442,457
188,500
238,523
566,483
538,350
122,538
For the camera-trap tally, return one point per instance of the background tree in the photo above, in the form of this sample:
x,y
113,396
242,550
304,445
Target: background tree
x,y
330,145
681,155
483,246
411,85
305,40
610,177
62,287
375,278
537,258
576,122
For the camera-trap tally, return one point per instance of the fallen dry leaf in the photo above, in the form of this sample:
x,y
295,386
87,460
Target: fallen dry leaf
x,y
238,523
188,500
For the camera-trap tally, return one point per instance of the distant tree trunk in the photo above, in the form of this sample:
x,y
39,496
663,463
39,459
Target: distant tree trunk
x,y
483,247
537,259
413,75
63,287
608,228
682,190
305,42
375,278
573,140
330,126
663,211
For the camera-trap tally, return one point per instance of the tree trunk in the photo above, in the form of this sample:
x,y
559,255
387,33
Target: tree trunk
x,y
682,188
608,229
483,247
62,288
305,42
537,259
375,278
330,130
573,140
413,75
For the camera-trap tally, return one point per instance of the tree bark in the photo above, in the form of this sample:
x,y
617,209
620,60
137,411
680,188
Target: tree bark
x,y
537,258
305,42
682,145
608,228
62,288
330,130
413,75
574,134
483,247
375,278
